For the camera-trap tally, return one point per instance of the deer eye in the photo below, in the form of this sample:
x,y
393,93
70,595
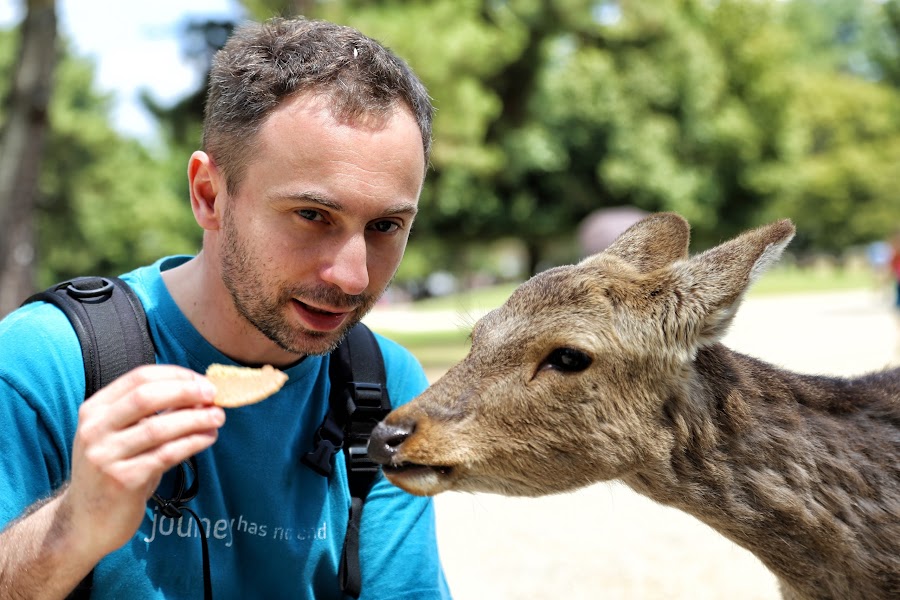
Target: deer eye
x,y
568,360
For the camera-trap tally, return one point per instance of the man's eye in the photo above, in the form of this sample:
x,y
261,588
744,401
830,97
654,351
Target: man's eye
x,y
385,226
310,214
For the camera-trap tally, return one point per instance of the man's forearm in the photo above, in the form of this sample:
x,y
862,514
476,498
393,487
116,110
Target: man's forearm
x,y
41,555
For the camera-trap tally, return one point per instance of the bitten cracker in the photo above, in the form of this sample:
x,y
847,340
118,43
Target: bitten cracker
x,y
240,386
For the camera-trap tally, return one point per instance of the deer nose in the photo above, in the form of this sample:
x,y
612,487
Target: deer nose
x,y
386,439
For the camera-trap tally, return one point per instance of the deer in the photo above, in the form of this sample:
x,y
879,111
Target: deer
x,y
613,369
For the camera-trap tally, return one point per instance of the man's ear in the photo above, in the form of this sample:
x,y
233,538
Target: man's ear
x,y
205,183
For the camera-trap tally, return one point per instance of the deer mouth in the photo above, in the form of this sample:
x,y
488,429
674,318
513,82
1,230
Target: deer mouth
x,y
416,478
409,467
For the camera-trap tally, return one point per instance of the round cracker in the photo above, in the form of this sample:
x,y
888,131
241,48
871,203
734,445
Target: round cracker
x,y
240,386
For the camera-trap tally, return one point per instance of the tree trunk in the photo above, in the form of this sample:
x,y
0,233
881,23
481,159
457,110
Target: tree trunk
x,y
21,151
533,253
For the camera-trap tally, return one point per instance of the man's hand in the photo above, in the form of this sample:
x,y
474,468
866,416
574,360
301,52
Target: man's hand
x,y
129,434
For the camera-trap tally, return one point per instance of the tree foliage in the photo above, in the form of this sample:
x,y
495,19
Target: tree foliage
x,y
729,112
106,203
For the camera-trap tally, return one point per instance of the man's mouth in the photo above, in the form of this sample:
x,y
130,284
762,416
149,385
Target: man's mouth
x,y
319,319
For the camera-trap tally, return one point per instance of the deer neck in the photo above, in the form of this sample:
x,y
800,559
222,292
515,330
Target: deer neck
x,y
771,459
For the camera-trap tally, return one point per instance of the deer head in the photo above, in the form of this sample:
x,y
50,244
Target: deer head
x,y
566,383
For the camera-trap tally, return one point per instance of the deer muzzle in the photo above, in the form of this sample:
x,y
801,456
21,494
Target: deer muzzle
x,y
386,447
386,440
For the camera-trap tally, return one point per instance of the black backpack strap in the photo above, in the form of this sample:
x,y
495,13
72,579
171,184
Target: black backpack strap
x,y
103,308
107,309
112,330
358,401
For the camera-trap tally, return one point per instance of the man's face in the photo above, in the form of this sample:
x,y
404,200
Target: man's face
x,y
320,221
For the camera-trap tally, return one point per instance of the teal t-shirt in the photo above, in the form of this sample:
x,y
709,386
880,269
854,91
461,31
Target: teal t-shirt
x,y
274,528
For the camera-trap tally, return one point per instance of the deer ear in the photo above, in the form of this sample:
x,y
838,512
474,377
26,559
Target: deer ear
x,y
713,283
653,243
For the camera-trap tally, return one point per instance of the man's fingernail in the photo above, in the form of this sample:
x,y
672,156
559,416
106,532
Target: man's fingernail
x,y
218,415
207,389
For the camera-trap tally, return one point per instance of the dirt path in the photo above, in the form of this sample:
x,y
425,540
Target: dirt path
x,y
606,542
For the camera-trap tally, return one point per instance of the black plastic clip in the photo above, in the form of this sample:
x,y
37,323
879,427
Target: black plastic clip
x,y
367,401
170,508
319,460
359,461
329,441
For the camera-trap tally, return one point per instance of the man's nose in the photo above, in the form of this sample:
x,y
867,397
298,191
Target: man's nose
x,y
347,267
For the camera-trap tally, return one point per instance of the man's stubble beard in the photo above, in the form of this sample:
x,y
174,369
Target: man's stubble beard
x,y
247,287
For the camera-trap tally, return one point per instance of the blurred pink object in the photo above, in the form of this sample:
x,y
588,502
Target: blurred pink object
x,y
600,228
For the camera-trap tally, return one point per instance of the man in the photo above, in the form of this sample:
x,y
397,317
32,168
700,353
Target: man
x,y
315,146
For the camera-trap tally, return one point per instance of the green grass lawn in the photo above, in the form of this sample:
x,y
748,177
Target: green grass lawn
x,y
434,349
438,350
791,279
487,297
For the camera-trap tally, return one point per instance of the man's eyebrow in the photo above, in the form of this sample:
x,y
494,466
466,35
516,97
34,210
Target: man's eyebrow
x,y
314,198
400,208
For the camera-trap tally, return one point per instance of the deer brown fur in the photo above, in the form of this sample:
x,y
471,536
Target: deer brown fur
x,y
612,369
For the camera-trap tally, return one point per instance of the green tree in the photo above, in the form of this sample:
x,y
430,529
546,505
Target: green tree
x,y
841,186
730,113
883,42
105,203
549,110
844,127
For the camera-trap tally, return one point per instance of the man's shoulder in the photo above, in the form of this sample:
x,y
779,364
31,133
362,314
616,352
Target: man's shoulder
x,y
33,326
40,352
38,343
40,329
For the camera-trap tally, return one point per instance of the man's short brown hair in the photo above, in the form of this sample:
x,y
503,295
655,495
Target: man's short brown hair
x,y
262,64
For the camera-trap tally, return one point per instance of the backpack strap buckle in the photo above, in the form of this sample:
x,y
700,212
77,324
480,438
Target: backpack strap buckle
x,y
367,401
329,441
358,459
319,459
